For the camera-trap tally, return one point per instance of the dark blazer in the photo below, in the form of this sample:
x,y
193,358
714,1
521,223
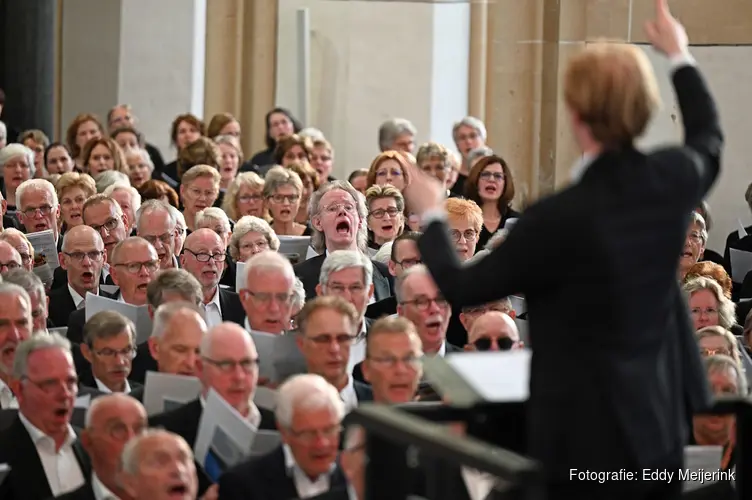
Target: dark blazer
x,y
635,376
384,307
60,278
85,492
62,305
77,320
232,308
26,479
308,271
363,391
142,363
265,478
184,422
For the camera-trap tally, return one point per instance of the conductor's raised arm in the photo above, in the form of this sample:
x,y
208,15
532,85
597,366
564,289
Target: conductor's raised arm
x,y
702,128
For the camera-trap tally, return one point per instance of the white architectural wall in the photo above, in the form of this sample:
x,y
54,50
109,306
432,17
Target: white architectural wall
x,y
371,61
149,54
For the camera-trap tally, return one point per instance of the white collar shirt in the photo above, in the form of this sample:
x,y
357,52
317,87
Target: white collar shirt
x,y
213,310
103,388
101,492
304,485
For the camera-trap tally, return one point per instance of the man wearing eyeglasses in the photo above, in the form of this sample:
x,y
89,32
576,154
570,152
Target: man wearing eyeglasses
x,y
204,257
228,364
267,297
82,257
134,264
405,254
156,224
111,421
110,346
10,259
40,447
38,208
420,301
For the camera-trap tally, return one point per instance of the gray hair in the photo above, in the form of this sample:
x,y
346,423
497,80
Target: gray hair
x,y
13,150
318,240
344,259
278,177
108,178
472,122
13,289
177,281
211,215
269,261
399,291
135,195
179,217
141,154
311,133
164,313
35,185
37,343
130,458
306,392
726,308
106,325
719,362
298,294
150,207
27,280
248,224
699,220
393,128
477,153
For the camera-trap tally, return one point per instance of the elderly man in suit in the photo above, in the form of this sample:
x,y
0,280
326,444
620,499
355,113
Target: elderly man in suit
x,y
634,376
111,421
45,383
268,294
338,216
309,415
15,310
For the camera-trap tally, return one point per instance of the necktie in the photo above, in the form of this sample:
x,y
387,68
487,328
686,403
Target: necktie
x,y
81,305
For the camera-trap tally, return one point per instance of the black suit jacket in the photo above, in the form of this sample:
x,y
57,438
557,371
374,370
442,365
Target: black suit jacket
x,y
27,479
85,492
77,320
634,375
62,305
86,379
60,278
142,363
308,271
265,478
232,308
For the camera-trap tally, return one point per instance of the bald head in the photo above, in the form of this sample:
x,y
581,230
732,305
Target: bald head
x,y
9,257
82,236
494,324
112,406
204,236
131,245
227,336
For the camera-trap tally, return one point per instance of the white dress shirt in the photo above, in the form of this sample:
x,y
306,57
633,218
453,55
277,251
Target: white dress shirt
x,y
442,350
303,484
60,466
77,299
101,492
7,398
213,311
103,388
105,272
348,395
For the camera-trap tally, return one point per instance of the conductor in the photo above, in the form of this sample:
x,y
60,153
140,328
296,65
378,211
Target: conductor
x,y
616,372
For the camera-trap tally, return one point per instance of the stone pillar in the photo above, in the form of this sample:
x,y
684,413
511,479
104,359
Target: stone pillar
x,y
372,61
27,63
140,52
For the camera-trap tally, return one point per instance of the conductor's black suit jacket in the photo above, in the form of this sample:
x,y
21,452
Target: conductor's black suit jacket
x,y
615,365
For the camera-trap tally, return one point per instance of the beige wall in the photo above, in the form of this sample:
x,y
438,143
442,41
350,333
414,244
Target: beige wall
x,y
528,45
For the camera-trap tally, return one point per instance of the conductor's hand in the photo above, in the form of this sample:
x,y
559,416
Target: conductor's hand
x,y
666,33
423,192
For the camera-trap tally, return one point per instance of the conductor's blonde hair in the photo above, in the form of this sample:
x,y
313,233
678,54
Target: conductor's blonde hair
x,y
612,88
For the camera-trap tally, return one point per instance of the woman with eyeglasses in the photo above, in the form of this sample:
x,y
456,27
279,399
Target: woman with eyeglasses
x,y
72,190
386,218
707,304
714,340
389,167
465,221
491,186
250,236
245,196
283,190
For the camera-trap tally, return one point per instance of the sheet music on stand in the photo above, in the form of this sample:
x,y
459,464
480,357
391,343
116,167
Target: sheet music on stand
x,y
295,248
138,314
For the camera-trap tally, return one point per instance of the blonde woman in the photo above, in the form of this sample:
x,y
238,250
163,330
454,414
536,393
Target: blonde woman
x,y
245,196
230,159
708,305
386,218
250,236
72,190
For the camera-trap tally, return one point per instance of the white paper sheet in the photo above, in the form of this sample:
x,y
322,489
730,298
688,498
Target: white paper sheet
x,y
223,431
166,389
741,264
46,258
701,457
240,276
265,398
518,304
524,329
311,253
279,356
265,442
62,331
138,314
111,289
295,248
82,401
742,232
